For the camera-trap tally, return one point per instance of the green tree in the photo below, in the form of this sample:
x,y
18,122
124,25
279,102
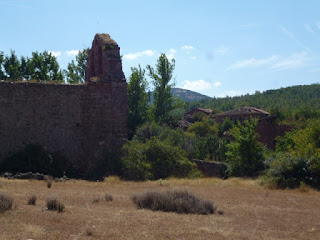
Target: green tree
x,y
12,67
2,75
44,67
245,154
162,75
77,69
137,100
25,68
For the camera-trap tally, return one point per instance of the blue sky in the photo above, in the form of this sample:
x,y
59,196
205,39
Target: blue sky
x,y
221,48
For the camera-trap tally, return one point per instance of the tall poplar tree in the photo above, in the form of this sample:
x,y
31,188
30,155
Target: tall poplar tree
x,y
138,99
163,100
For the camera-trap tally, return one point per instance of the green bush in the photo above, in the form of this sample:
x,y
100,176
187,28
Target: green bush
x,y
35,159
203,128
288,171
297,158
154,160
180,201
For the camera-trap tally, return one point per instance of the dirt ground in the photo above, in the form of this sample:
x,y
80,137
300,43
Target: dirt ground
x,y
249,211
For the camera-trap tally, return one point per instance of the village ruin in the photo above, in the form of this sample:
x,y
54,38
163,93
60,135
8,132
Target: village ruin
x,y
81,122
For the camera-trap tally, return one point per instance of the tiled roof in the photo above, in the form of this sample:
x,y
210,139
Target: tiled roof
x,y
206,110
243,111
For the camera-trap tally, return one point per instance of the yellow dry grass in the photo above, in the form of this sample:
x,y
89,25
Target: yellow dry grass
x,y
250,211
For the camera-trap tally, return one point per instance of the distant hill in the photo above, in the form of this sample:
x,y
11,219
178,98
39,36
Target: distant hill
x,y
185,95
284,101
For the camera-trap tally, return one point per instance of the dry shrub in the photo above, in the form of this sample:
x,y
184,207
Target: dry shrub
x,y
54,204
180,201
108,197
49,183
89,232
96,200
32,200
6,202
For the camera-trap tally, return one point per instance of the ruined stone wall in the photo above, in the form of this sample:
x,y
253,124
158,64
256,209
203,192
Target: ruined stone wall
x,y
211,169
268,134
82,122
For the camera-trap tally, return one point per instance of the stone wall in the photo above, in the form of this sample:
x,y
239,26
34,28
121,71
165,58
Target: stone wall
x,y
211,169
81,122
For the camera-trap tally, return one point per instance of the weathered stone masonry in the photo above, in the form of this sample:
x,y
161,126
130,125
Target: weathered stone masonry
x,y
81,122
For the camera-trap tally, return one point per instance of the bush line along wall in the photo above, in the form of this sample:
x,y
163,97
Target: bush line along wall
x,y
81,122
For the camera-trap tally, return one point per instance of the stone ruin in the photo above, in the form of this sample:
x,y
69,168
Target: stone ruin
x,y
83,123
104,61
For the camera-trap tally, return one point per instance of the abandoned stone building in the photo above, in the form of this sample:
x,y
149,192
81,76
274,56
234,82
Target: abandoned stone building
x,y
267,127
241,114
81,122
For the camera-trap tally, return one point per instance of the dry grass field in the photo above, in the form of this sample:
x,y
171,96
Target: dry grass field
x,y
250,211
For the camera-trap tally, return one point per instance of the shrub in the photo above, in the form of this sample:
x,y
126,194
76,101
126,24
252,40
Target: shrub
x,y
202,129
154,160
6,202
89,232
54,204
180,201
49,183
288,171
108,197
32,200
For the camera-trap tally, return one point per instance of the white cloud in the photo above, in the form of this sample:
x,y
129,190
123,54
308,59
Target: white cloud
x,y
196,85
233,93
72,53
222,50
217,84
55,54
296,60
287,32
230,93
187,47
170,54
133,56
253,62
308,28
291,35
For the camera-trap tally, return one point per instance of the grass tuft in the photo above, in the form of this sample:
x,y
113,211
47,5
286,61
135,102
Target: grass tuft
x,y
32,200
54,204
89,232
49,183
180,201
108,197
6,202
